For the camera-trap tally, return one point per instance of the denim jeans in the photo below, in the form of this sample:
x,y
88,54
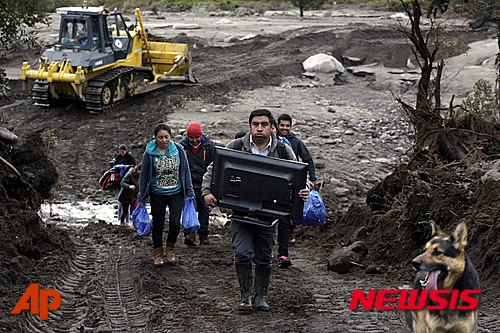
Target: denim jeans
x,y
283,236
116,192
127,209
158,209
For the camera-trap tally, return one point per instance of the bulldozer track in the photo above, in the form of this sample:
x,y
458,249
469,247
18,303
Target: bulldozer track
x,y
120,290
95,87
40,93
75,284
99,291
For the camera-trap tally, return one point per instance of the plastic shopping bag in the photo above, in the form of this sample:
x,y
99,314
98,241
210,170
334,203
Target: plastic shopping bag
x,y
189,217
314,211
142,222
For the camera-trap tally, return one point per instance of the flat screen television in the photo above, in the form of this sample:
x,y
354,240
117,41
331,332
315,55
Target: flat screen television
x,y
258,188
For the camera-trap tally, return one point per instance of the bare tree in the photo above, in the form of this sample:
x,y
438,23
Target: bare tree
x,y
425,115
482,12
439,138
307,4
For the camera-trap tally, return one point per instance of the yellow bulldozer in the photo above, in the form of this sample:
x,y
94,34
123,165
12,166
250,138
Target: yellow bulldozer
x,y
102,62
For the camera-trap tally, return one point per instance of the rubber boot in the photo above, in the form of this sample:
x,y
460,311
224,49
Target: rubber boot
x,y
158,256
245,280
189,239
170,253
262,275
203,239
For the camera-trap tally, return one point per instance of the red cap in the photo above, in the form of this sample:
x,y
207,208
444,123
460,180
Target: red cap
x,y
194,129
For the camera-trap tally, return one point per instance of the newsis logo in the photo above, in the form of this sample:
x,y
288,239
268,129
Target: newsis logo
x,y
387,300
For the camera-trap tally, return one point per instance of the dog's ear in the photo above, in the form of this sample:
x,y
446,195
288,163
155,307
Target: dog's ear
x,y
436,230
459,237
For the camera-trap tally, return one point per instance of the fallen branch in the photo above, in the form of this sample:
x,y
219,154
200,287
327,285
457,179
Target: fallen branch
x,y
356,264
7,135
10,166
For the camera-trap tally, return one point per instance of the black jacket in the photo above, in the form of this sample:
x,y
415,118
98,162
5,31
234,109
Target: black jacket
x,y
301,151
126,194
126,159
199,163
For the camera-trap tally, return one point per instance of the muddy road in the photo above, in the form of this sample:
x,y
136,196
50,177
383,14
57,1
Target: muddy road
x,y
351,125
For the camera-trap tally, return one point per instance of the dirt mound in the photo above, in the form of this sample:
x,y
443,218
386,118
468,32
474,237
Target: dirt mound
x,y
394,223
26,241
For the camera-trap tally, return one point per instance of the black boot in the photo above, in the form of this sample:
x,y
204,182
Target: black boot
x,y
262,275
189,239
203,239
245,280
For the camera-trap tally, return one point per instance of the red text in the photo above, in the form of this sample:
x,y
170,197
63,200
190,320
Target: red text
x,y
386,300
36,300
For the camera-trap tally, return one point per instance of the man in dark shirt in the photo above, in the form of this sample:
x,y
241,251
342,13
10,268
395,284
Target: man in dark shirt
x,y
299,148
200,152
301,151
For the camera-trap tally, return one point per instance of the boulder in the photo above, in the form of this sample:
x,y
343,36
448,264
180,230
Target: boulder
x,y
185,26
322,63
346,257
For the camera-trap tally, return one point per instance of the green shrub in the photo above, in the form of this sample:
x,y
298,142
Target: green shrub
x,y
482,102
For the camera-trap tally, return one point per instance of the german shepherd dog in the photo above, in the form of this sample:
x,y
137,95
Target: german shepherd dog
x,y
445,265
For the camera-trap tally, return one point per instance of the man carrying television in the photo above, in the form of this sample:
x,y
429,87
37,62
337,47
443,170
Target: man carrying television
x,y
253,242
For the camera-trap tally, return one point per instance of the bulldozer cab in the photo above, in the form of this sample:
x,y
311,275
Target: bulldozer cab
x,y
88,28
80,29
76,32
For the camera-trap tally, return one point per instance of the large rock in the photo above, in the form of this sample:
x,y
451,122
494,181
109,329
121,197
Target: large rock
x,y
185,26
322,63
346,257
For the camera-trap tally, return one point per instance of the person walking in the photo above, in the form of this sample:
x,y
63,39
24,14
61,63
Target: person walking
x,y
166,179
274,128
123,158
252,242
284,227
302,153
299,148
200,152
129,192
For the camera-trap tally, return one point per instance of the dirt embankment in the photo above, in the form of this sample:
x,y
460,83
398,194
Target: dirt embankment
x,y
28,246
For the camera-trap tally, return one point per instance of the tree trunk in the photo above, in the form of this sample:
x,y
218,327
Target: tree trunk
x,y
425,116
497,79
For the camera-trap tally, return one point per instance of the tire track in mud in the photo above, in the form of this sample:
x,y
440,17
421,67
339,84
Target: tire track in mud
x,y
120,287
257,63
329,311
76,287
99,290
488,324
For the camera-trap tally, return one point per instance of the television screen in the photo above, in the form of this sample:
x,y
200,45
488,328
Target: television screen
x,y
258,188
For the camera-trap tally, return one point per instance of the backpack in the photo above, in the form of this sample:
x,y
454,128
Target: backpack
x,y
238,145
111,178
